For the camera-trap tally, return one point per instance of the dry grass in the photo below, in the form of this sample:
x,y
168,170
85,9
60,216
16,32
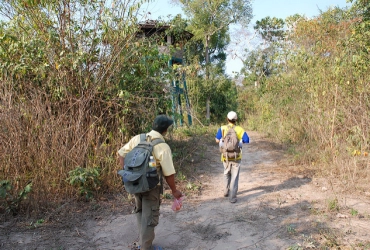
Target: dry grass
x,y
42,142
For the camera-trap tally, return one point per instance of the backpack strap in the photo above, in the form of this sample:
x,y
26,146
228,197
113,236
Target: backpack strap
x,y
154,142
157,141
142,137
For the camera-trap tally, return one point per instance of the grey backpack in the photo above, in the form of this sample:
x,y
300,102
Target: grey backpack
x,y
230,148
136,174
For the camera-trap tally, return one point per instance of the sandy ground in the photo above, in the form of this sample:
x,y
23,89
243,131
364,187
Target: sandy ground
x,y
278,207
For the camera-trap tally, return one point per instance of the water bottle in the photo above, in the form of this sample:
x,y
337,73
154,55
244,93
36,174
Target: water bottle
x,y
152,163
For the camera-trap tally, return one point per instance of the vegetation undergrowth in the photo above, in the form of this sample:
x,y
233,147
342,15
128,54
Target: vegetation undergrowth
x,y
188,145
307,86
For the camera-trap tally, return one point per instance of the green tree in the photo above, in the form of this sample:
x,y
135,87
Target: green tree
x,y
264,60
270,29
209,21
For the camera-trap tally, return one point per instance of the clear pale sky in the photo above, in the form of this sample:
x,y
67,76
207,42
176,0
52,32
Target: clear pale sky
x,y
261,9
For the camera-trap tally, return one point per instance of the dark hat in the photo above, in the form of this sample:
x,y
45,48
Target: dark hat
x,y
161,123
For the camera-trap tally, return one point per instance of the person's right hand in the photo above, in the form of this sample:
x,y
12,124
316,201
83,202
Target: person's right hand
x,y
177,194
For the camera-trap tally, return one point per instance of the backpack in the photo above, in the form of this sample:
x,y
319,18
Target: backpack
x,y
230,148
137,175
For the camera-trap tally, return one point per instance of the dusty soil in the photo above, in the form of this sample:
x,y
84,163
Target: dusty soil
x,y
279,207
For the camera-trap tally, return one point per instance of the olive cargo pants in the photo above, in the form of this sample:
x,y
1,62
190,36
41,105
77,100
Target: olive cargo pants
x,y
147,214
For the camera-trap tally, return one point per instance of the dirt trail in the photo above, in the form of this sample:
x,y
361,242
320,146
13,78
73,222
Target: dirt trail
x,y
275,210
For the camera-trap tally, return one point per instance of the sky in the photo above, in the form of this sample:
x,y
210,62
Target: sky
x,y
261,9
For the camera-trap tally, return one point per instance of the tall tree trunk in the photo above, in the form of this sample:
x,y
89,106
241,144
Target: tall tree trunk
x,y
208,115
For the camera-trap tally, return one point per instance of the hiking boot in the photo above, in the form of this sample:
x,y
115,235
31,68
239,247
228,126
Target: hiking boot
x,y
233,200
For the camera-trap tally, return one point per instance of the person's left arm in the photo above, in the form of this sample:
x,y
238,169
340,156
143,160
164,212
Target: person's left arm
x,y
242,135
245,137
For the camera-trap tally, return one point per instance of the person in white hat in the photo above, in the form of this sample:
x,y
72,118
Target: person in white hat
x,y
230,138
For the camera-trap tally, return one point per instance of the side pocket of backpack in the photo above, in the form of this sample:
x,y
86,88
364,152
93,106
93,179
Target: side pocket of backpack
x,y
152,177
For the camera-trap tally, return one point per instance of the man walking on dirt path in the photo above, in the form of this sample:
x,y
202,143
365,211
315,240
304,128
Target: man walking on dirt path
x,y
147,203
231,138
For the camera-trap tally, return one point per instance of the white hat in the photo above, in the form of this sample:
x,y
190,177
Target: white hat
x,y
232,116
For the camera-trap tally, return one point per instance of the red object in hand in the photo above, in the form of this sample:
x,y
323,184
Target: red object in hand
x,y
177,203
